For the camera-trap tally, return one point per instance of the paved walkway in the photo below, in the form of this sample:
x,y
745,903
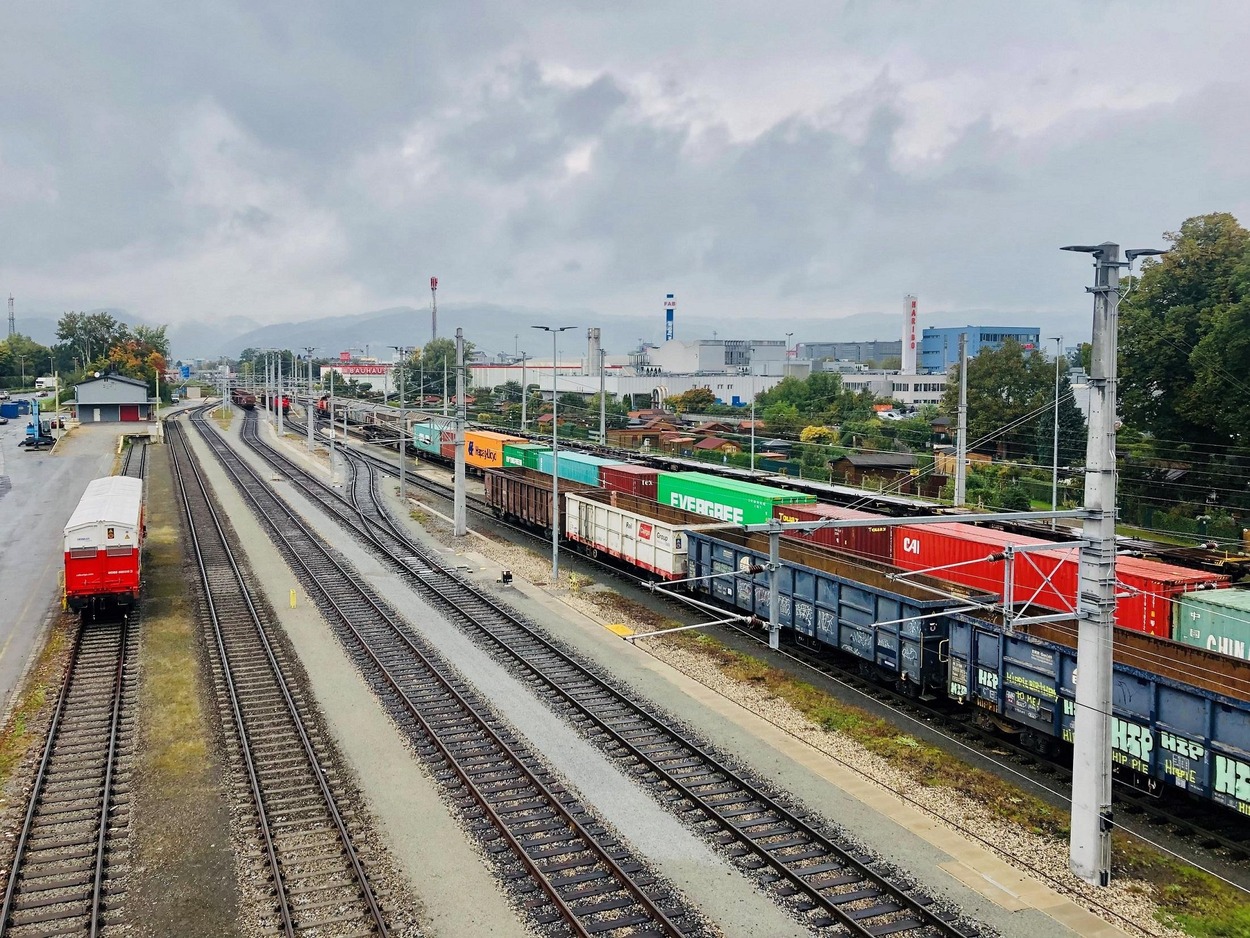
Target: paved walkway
x,y
38,492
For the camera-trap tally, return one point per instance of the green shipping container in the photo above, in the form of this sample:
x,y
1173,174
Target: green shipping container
x,y
1217,620
523,455
724,499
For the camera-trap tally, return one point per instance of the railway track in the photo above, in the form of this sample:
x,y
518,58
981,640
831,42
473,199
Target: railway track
x,y
830,884
1226,838
136,460
575,872
71,847
318,878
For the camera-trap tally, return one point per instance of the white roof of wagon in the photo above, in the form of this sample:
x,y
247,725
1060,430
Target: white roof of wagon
x,y
115,500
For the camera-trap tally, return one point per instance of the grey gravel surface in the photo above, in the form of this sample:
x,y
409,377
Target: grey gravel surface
x,y
725,897
457,894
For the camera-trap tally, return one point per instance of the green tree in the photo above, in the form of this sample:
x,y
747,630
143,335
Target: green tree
x,y
19,354
1010,395
427,367
1184,329
694,401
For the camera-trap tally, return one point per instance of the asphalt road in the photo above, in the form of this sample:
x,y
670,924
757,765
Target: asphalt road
x,y
38,492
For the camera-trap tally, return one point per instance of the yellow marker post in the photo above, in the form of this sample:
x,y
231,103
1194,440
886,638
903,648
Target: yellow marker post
x,y
292,599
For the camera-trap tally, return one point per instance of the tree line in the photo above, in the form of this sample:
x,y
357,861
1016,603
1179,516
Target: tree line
x,y
86,343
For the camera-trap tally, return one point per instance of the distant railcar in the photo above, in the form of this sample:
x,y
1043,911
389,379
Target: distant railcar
x,y
242,398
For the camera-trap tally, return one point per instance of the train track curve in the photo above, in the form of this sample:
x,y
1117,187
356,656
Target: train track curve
x,y
830,883
581,875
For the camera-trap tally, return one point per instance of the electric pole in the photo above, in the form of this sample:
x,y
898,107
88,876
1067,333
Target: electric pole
x,y
459,527
1090,846
961,430
310,412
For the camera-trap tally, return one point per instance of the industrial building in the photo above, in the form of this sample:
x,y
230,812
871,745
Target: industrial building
x,y
939,348
112,398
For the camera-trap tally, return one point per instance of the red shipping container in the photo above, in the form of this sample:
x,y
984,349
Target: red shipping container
x,y
630,479
447,444
963,551
1147,588
1044,578
875,542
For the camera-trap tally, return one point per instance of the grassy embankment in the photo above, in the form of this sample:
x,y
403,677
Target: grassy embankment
x,y
1189,899
189,881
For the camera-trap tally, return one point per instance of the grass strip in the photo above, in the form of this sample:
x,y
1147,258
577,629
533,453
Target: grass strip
x,y
1189,899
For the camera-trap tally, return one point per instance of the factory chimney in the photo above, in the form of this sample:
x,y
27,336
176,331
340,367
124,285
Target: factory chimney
x,y
593,366
670,309
909,335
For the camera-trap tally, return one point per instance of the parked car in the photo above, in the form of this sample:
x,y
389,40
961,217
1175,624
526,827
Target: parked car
x,y
3,421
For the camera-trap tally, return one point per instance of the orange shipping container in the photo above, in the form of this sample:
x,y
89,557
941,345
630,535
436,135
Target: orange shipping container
x,y
483,449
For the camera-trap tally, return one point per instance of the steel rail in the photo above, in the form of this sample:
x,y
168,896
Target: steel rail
x,y
37,787
97,888
659,917
271,852
279,678
41,779
829,903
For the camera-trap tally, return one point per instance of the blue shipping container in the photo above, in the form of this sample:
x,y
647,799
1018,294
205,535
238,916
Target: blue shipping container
x,y
576,467
8,409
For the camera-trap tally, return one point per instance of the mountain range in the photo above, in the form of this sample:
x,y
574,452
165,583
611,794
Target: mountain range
x,y
506,330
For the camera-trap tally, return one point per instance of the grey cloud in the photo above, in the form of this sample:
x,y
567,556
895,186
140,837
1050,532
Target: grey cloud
x,y
160,156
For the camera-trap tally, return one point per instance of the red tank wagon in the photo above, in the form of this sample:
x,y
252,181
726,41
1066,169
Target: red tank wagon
x,y
103,545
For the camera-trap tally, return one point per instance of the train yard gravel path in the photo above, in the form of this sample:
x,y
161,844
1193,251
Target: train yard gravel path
x,y
726,898
457,894
1031,865
786,748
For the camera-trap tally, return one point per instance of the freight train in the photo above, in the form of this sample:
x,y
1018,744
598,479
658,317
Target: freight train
x,y
104,546
381,423
883,598
242,398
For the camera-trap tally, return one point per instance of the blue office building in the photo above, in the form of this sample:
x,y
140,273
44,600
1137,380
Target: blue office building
x,y
939,348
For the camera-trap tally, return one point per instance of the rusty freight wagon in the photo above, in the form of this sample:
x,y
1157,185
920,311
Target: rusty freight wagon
x,y
523,496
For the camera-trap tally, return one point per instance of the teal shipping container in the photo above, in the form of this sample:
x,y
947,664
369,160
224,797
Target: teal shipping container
x,y
429,435
724,499
1217,620
523,455
576,467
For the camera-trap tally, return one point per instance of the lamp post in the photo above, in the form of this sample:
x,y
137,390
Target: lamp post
x,y
524,393
555,457
788,334
310,413
751,365
1054,478
22,359
403,425
603,399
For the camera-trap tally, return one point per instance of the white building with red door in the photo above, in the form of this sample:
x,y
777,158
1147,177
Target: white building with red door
x,y
112,398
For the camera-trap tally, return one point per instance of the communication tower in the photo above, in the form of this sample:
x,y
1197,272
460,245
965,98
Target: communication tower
x,y
433,308
12,318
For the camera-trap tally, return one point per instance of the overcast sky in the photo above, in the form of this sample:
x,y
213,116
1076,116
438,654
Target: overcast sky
x,y
286,160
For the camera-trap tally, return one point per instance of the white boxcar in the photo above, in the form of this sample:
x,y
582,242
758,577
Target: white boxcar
x,y
641,533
